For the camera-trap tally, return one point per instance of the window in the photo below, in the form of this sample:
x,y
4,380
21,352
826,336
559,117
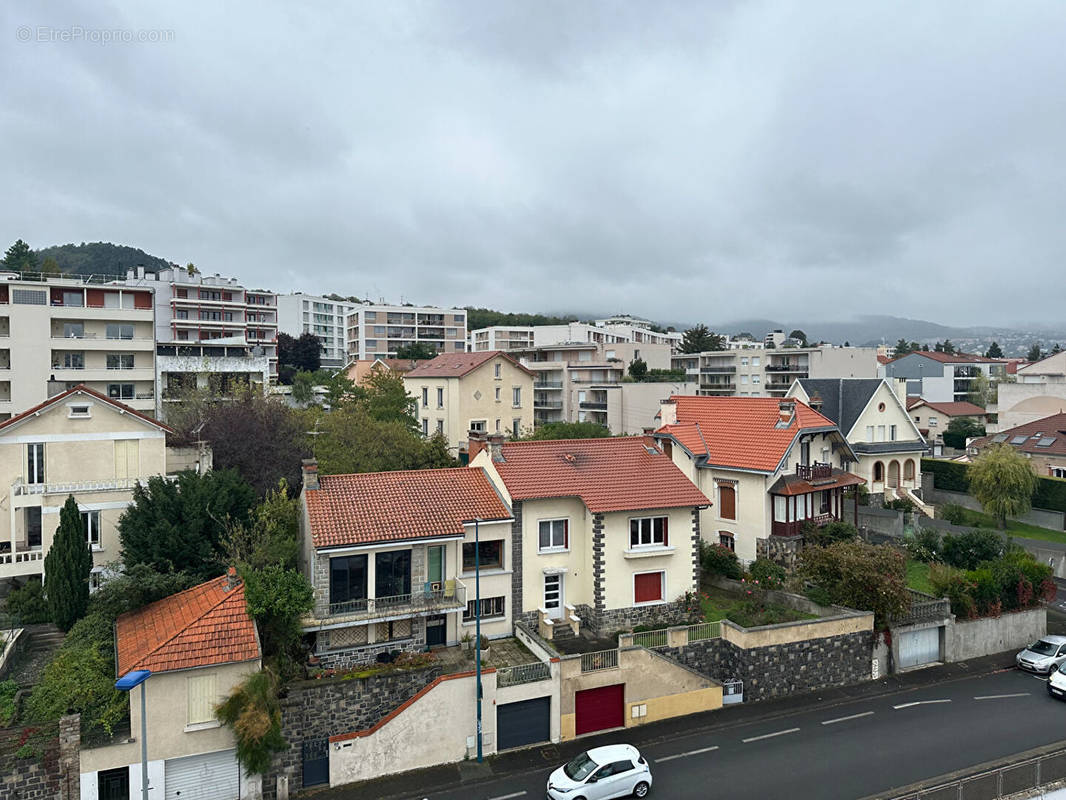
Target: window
x,y
727,501
372,344
120,391
869,433
648,532
497,426
553,534
440,426
73,299
879,472
478,425
516,397
440,398
91,521
744,379
33,527
880,433
425,397
754,378
79,411
932,421
35,463
120,360
727,540
755,361
743,361
496,369
371,316
490,607
202,696
117,331
73,361
892,433
435,572
648,587
73,330
425,427
392,576
1058,472
499,391
490,555
516,428
347,579
379,330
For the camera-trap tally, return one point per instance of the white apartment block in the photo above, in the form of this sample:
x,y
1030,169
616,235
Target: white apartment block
x,y
376,331
327,319
209,328
56,333
519,337
762,372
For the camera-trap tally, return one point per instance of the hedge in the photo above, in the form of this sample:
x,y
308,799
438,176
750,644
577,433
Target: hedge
x,y
951,477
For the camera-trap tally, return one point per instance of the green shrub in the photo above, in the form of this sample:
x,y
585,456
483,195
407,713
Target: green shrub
x,y
767,573
832,533
8,690
971,549
719,560
954,513
948,475
951,583
816,594
28,604
904,504
924,545
253,712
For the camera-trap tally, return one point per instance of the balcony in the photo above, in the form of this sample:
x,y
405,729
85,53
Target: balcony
x,y
786,367
718,387
547,384
21,489
21,562
449,597
592,405
815,471
717,370
539,403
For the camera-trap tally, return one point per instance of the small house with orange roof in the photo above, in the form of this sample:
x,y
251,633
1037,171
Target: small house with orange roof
x,y
198,644
769,466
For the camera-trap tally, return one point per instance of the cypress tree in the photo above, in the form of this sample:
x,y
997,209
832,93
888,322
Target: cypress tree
x,y
67,567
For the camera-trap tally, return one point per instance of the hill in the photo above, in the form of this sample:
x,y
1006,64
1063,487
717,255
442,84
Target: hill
x,y
97,258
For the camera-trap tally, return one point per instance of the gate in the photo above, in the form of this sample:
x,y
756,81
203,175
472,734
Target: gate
x,y
919,647
316,762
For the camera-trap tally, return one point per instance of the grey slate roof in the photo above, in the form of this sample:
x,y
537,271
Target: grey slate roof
x,y
843,399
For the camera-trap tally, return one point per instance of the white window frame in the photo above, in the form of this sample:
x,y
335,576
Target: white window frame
x,y
91,520
516,397
79,410
651,544
440,397
553,548
36,464
662,588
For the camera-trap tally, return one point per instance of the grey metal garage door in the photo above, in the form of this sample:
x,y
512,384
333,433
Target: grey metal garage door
x,y
919,647
211,776
522,723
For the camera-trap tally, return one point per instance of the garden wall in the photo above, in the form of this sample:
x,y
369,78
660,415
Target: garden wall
x,y
41,762
11,647
796,602
980,637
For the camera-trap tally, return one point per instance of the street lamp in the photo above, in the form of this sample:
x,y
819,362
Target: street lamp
x,y
477,628
127,683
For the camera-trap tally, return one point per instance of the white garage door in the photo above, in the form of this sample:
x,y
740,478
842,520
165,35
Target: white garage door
x,y
919,647
212,776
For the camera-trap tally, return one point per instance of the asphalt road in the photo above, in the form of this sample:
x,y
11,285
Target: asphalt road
x,y
845,751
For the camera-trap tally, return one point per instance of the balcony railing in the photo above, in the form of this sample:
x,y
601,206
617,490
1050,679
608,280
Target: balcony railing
x,y
786,367
547,384
718,370
537,403
447,597
814,471
590,405
21,489
523,673
601,659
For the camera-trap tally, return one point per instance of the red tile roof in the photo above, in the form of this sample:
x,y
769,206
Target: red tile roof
x,y
200,627
739,432
616,474
82,389
455,365
1050,430
960,409
377,507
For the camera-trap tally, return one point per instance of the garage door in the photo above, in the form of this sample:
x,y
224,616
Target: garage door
x,y
526,722
919,647
212,776
599,709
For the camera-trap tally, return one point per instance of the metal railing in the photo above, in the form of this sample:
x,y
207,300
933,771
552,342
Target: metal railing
x,y
650,638
547,384
414,602
601,659
1004,781
523,673
704,630
815,470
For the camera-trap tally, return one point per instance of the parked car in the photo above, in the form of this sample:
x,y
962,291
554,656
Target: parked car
x,y
617,770
1056,682
1042,655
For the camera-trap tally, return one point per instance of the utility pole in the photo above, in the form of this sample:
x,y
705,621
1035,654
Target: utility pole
x,y
477,629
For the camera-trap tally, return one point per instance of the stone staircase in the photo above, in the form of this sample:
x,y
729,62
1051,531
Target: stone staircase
x,y
563,633
44,640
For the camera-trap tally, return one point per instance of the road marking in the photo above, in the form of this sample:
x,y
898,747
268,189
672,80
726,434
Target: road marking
x,y
768,735
683,755
845,719
508,796
999,696
668,758
920,703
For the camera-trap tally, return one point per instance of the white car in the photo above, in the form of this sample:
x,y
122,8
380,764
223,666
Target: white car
x,y
1056,682
617,770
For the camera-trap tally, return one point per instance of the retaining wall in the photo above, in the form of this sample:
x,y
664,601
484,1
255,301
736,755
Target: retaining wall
x,y
981,637
1042,517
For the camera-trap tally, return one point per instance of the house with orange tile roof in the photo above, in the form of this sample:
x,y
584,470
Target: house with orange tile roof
x,y
198,644
358,370
456,393
605,531
391,558
932,419
81,443
769,466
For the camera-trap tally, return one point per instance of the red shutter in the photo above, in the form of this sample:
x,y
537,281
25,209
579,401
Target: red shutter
x,y
666,535
566,534
728,499
648,587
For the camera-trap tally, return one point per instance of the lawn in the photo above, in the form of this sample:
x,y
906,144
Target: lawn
x,y
718,604
1022,530
918,576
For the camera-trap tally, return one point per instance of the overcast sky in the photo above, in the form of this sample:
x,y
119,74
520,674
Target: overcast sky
x,y
701,161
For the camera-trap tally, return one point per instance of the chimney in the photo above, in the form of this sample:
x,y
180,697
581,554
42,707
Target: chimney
x,y
310,471
668,412
786,410
649,439
496,446
232,581
475,443
816,402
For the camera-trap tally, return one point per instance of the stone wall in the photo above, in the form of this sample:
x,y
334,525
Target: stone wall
x,y
616,619
41,762
320,709
349,656
980,637
783,550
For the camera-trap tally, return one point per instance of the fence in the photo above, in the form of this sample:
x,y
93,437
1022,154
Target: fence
x,y
1000,782
523,673
705,630
650,638
601,659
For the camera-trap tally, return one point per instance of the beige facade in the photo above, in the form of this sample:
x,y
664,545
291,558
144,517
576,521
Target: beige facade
x,y
376,331
83,445
70,331
495,397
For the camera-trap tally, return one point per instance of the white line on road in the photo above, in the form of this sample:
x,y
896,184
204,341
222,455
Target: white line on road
x,y
683,755
508,796
768,735
920,703
845,719
999,696
668,758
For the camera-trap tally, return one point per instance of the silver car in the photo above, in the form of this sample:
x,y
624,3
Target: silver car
x,y
1042,655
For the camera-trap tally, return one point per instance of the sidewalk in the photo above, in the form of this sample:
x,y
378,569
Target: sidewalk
x,y
545,757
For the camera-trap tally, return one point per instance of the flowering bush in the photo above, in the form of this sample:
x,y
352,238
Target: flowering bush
x,y
719,560
767,574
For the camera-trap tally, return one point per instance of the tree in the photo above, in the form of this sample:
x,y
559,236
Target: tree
x,y
798,334
341,389
569,430
19,257
980,390
994,351
700,339
902,348
938,347
303,354
258,436
960,429
638,369
949,348
1056,349
1034,353
351,440
303,388
1003,482
67,567
271,535
386,399
276,598
858,575
416,351
178,526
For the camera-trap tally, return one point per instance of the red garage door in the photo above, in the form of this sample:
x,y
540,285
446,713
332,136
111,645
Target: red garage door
x,y
599,709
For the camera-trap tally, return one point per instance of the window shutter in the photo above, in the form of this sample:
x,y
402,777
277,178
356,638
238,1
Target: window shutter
x,y
566,534
727,497
666,536
647,588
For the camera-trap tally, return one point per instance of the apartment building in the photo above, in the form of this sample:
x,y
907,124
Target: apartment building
x,y
376,331
502,337
943,377
1036,391
210,332
56,333
324,317
607,331
769,372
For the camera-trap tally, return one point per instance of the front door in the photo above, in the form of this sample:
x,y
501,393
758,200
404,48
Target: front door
x,y
436,631
114,784
553,595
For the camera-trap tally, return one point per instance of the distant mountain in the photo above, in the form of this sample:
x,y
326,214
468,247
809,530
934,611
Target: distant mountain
x,y
97,258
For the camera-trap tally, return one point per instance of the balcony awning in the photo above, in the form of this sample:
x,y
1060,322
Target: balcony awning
x,y
789,485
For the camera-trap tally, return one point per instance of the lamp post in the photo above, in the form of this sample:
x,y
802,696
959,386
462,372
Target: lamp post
x,y
127,683
477,628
